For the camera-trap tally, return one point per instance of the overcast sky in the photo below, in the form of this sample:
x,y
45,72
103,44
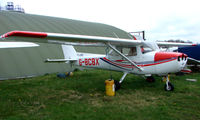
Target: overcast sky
x,y
161,19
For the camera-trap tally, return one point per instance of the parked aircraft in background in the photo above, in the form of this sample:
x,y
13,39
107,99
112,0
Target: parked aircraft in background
x,y
17,44
192,52
142,58
193,57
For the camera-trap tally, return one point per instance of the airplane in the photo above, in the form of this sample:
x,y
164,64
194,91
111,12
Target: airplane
x,y
142,58
192,52
17,44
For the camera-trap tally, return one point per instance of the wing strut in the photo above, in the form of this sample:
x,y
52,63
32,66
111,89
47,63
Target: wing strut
x,y
121,80
118,52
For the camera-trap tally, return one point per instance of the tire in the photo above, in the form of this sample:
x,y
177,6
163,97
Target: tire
x,y
117,85
170,87
150,79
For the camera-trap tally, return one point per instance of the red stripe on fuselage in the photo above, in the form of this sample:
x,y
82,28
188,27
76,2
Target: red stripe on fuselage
x,y
142,65
25,34
158,63
119,60
118,64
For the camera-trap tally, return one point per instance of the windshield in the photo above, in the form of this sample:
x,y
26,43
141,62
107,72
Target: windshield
x,y
150,46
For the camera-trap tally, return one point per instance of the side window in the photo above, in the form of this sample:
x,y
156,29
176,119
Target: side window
x,y
142,49
132,51
120,49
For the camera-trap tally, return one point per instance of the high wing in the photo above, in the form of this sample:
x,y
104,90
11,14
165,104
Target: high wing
x,y
173,44
193,61
80,40
59,38
87,44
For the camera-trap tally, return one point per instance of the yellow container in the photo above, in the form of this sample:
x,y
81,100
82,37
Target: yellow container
x,y
110,87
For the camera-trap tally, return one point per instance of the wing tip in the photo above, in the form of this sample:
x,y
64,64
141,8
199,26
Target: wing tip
x,y
17,33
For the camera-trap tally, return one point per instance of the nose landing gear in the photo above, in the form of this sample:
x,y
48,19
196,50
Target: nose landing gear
x,y
168,86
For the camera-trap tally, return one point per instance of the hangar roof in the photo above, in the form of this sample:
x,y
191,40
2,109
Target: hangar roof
x,y
27,22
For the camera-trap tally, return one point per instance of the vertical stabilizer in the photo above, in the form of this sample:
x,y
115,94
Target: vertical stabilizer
x,y
69,52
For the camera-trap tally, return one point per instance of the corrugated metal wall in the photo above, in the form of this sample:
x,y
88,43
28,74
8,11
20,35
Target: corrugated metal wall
x,y
25,62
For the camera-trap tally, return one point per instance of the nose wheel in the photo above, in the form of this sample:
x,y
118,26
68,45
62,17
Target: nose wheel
x,y
168,86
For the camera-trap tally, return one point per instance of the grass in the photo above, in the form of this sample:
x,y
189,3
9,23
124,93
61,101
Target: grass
x,y
83,97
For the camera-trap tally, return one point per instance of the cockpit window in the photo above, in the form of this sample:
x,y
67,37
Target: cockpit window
x,y
150,46
146,50
132,51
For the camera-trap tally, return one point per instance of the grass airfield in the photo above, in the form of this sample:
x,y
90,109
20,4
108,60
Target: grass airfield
x,y
82,97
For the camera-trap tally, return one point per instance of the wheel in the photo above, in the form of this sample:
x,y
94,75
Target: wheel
x,y
150,79
117,85
170,87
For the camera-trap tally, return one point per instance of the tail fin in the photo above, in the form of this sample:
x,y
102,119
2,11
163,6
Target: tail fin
x,y
69,52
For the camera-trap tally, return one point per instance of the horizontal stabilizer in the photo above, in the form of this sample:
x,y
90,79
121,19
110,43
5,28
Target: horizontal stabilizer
x,y
59,60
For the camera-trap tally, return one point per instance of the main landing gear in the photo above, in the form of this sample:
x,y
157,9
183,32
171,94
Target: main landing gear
x,y
118,83
150,79
168,85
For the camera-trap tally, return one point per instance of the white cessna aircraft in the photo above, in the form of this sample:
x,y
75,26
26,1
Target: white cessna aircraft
x,y
143,58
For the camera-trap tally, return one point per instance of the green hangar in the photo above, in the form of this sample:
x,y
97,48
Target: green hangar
x,y
29,62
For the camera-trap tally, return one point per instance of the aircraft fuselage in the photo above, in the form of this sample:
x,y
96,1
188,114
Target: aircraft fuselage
x,y
151,63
